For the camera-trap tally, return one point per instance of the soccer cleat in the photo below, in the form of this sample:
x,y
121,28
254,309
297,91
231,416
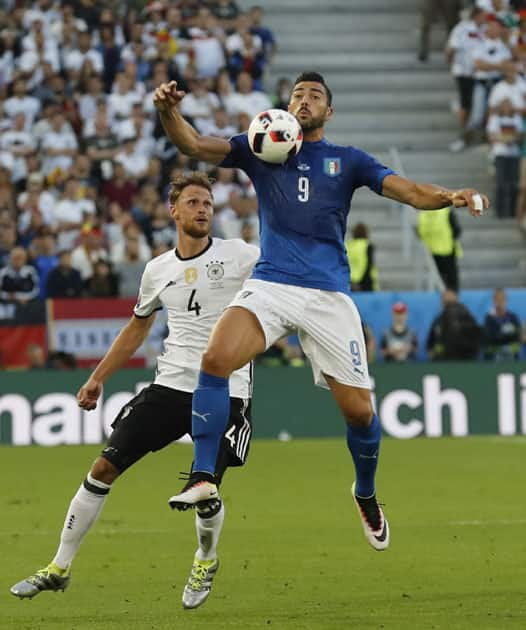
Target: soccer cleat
x,y
200,488
49,579
375,525
199,583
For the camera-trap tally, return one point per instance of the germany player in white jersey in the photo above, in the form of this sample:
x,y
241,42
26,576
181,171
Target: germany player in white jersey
x,y
194,282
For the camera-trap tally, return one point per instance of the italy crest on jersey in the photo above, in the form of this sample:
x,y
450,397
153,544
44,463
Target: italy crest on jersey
x,y
332,166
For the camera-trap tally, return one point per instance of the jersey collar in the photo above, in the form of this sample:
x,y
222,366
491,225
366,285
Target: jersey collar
x,y
196,255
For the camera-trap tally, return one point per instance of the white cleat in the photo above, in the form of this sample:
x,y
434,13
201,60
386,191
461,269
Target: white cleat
x,y
199,489
375,525
199,583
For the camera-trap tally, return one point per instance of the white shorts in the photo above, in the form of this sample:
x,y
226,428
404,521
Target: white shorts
x,y
327,322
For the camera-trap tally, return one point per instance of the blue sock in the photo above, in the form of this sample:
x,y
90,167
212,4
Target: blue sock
x,y
364,445
210,411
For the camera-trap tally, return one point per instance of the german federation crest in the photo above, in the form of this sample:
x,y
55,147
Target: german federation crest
x,y
332,166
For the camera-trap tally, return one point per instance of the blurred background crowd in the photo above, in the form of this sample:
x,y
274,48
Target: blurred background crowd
x,y
84,163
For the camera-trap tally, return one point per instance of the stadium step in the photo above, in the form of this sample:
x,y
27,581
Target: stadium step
x,y
340,6
384,97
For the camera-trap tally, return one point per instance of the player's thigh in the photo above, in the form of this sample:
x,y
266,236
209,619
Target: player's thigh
x,y
248,327
332,338
153,419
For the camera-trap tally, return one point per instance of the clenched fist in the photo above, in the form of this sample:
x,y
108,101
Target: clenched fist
x,y
167,96
89,394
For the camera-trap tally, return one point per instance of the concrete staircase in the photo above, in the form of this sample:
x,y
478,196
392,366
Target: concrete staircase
x,y
384,98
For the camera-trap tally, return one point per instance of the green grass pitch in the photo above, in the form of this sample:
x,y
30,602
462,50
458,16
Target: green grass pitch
x,y
293,554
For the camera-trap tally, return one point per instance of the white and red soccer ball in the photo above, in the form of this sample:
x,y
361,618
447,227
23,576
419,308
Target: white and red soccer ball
x,y
275,135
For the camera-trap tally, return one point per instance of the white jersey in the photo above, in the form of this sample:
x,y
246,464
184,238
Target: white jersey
x,y
195,291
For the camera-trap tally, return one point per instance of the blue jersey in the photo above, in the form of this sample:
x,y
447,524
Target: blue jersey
x,y
303,208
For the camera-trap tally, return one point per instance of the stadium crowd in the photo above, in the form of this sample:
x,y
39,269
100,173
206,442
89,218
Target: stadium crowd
x,y
486,51
84,162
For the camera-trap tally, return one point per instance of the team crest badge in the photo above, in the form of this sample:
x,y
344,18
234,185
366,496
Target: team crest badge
x,y
215,270
332,166
190,275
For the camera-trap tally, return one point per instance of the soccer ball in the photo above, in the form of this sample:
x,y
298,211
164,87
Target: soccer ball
x,y
274,135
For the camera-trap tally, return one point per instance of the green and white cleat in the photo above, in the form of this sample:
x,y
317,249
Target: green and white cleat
x,y
52,578
199,583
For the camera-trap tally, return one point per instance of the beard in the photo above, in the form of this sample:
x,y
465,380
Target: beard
x,y
313,123
195,230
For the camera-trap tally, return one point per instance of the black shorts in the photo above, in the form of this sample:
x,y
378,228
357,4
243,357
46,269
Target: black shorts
x,y
465,86
159,415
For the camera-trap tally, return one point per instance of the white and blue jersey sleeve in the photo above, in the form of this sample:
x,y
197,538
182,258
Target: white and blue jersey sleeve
x,y
303,207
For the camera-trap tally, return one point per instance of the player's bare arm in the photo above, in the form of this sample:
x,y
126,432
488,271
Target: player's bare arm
x,y
431,197
166,99
122,349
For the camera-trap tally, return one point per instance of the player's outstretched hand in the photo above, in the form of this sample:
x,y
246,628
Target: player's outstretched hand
x,y
89,393
469,197
167,96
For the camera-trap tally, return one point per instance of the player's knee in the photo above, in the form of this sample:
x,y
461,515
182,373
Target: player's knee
x,y
359,414
103,470
217,363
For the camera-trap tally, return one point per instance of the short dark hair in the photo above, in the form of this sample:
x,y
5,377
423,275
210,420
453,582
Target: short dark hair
x,y
196,178
315,77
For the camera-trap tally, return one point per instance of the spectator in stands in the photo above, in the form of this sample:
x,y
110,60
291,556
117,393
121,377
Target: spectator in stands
x,y
162,228
59,145
488,57
505,135
134,162
521,192
461,43
360,253
63,281
370,342
454,333
208,56
102,147
268,40
218,126
245,52
440,231
130,270
448,9
103,282
86,255
246,99
120,188
20,143
70,213
18,280
35,208
502,330
117,250
226,11
36,358
8,240
399,342
511,87
20,102
281,96
201,102
44,256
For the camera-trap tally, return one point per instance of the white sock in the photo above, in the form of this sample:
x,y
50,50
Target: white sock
x,y
208,532
83,511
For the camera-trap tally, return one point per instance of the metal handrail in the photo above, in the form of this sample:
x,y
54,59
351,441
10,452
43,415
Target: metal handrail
x,y
412,248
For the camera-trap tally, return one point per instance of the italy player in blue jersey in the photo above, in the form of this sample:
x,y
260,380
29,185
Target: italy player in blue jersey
x,y
301,282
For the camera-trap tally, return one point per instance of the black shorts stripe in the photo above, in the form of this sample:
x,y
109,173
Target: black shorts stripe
x,y
160,415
